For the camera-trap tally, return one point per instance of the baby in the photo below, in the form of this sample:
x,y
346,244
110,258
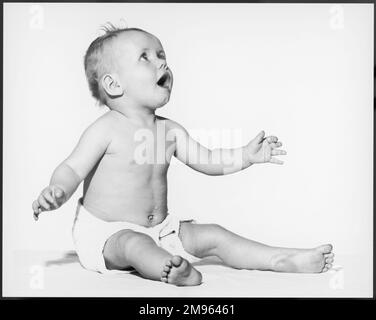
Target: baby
x,y
122,221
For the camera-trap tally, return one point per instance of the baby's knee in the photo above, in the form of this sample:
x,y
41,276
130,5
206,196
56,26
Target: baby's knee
x,y
132,241
121,249
216,228
133,238
219,234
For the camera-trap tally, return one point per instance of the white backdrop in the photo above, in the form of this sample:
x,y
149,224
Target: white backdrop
x,y
301,72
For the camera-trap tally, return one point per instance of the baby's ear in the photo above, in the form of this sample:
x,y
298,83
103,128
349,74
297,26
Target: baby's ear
x,y
111,85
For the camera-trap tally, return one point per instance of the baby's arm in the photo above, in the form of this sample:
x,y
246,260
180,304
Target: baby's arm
x,y
72,171
222,161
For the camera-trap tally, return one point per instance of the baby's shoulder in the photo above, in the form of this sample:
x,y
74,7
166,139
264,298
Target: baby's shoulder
x,y
102,126
170,124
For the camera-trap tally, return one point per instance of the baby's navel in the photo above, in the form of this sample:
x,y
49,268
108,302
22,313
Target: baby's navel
x,y
151,216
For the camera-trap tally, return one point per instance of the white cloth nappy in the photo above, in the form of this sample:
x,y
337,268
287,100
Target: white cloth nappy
x,y
91,233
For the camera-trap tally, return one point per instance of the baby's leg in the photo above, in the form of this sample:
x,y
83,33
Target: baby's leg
x,y
128,248
204,240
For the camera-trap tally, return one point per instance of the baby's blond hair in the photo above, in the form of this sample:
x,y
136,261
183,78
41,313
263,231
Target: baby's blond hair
x,y
97,61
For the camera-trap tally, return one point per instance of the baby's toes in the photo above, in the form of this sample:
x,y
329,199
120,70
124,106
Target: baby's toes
x,y
326,267
164,274
168,263
326,248
166,270
329,260
176,261
329,255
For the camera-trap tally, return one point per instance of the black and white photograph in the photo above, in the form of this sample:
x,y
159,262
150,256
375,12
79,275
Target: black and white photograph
x,y
188,150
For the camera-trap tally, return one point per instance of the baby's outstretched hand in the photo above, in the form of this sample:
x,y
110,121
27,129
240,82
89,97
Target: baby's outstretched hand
x,y
51,198
262,149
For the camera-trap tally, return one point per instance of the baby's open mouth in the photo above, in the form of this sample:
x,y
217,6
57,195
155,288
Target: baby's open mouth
x,y
165,80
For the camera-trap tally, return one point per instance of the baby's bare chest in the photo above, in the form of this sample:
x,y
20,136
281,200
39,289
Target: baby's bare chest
x,y
141,148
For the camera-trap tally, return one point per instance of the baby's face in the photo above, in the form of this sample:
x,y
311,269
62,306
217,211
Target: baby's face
x,y
142,69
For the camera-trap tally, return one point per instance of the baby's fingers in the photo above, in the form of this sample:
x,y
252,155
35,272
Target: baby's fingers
x,y
271,139
44,203
58,195
276,152
276,161
276,145
36,208
50,197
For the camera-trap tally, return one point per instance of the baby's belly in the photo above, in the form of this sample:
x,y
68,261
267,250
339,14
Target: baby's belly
x,y
142,206
119,191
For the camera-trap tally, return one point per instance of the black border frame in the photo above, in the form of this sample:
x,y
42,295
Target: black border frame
x,y
131,305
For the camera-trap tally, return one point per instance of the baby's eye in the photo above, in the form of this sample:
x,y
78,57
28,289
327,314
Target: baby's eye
x,y
144,56
162,55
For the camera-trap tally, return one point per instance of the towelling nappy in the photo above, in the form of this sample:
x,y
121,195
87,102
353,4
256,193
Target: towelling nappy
x,y
90,235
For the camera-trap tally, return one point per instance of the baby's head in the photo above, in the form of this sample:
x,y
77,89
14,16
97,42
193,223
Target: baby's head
x,y
128,66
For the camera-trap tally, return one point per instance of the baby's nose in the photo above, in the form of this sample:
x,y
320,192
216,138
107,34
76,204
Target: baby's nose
x,y
163,65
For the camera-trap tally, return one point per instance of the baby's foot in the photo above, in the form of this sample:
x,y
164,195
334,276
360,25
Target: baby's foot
x,y
180,272
314,260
